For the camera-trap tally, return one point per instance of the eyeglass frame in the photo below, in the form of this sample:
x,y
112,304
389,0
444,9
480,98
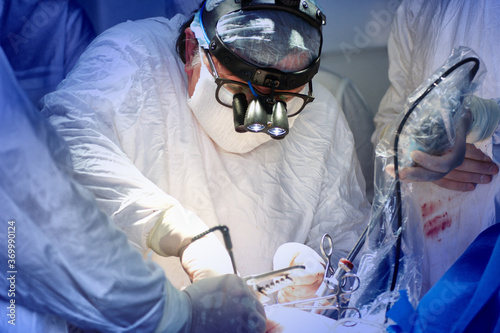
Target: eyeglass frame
x,y
221,81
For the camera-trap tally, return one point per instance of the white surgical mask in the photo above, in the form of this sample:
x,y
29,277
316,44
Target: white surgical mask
x,y
217,120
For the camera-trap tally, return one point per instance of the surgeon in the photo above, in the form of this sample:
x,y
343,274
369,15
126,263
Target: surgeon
x,y
232,130
63,262
462,199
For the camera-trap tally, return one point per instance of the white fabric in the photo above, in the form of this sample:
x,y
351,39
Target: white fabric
x,y
217,120
289,320
137,146
359,117
70,263
422,38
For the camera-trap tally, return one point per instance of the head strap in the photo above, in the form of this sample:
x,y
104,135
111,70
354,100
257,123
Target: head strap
x,y
267,77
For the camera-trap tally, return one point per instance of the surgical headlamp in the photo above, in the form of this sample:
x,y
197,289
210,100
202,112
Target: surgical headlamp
x,y
262,113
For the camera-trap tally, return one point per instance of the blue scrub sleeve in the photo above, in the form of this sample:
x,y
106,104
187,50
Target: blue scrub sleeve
x,y
59,254
465,299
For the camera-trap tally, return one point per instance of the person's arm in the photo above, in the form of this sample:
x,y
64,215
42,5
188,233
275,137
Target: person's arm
x,y
98,110
464,165
66,259
476,167
399,46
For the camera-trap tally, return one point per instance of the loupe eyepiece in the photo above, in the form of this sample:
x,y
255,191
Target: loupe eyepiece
x,y
256,116
240,105
279,122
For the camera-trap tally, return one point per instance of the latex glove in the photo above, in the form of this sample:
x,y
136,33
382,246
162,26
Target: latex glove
x,y
224,304
485,117
206,257
305,282
476,168
432,168
172,235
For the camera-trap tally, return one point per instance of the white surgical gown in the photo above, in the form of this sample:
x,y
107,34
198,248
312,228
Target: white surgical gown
x,y
422,38
61,259
138,147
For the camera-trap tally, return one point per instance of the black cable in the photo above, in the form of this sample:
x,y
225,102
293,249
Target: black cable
x,y
227,241
399,207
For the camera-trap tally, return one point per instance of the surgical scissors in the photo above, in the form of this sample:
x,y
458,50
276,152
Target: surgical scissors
x,y
334,304
338,284
326,247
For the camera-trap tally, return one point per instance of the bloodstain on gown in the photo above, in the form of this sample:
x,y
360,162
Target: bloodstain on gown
x,y
434,224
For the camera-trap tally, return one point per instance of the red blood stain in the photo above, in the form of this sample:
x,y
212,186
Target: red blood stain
x,y
434,226
429,208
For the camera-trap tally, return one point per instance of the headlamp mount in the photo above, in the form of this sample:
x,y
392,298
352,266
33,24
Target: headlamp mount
x,y
266,77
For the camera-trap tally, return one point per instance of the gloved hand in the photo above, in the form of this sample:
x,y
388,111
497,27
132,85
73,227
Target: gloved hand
x,y
478,124
206,257
485,117
224,304
431,167
306,282
172,235
477,167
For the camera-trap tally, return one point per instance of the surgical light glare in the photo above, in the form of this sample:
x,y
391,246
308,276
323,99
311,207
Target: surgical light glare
x,y
256,117
276,131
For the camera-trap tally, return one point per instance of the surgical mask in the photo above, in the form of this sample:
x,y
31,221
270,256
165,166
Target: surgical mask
x,y
217,120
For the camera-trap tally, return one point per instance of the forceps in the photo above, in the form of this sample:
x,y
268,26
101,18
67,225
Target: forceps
x,y
326,247
333,304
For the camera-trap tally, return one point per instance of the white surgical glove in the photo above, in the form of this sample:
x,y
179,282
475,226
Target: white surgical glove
x,y
305,282
485,117
222,304
172,235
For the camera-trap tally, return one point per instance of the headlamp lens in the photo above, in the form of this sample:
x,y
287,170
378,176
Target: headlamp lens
x,y
279,121
276,131
255,127
256,116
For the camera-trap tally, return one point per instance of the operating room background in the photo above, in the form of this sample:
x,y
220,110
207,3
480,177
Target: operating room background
x,y
355,37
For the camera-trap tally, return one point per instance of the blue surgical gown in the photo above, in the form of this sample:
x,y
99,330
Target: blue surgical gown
x,y
61,260
43,40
